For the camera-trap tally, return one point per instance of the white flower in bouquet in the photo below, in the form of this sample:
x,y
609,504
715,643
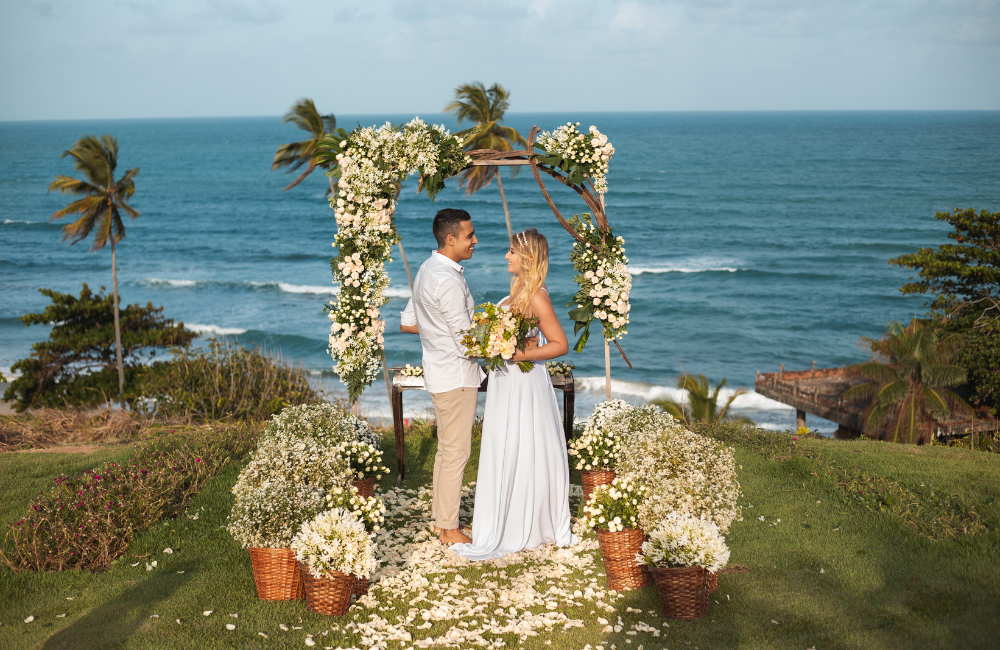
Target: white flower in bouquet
x,y
335,540
267,515
683,471
682,540
366,460
589,152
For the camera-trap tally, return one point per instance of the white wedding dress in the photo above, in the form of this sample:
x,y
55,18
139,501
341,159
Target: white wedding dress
x,y
522,491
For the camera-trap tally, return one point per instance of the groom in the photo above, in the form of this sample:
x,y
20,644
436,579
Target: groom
x,y
441,306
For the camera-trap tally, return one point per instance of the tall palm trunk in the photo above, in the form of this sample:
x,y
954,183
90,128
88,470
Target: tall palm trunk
x,y
506,212
118,325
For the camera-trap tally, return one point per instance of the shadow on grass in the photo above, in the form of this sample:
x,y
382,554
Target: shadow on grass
x,y
114,622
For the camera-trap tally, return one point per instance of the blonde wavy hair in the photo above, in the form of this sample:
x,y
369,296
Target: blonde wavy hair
x,y
533,254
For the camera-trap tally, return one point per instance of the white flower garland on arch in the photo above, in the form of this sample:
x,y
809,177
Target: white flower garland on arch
x,y
370,163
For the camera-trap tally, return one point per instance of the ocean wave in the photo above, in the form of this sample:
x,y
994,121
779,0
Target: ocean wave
x,y
749,401
285,287
7,221
172,283
214,329
639,270
706,264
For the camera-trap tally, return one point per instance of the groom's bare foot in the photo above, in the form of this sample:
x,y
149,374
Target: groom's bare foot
x,y
452,536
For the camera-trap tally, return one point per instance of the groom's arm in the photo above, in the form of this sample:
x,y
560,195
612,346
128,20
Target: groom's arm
x,y
408,319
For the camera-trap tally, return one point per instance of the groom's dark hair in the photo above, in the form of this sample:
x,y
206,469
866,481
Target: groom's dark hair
x,y
447,222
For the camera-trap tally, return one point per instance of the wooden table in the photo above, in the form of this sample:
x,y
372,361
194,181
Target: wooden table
x,y
401,383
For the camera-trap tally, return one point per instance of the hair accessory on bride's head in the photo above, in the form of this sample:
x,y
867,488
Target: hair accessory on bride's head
x,y
522,240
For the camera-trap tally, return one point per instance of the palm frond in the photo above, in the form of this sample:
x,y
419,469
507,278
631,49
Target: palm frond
x,y
81,206
674,409
304,115
293,155
943,375
79,229
70,185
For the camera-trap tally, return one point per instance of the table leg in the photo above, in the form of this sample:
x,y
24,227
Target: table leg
x,y
397,427
569,398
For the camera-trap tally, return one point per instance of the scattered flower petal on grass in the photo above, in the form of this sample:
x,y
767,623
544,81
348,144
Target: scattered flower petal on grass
x,y
207,612
309,641
284,628
60,616
230,627
262,634
168,551
29,619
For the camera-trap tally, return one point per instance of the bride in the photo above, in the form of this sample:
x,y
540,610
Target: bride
x,y
522,491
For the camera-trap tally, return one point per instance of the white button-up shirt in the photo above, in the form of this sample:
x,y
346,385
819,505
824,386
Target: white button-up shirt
x,y
441,307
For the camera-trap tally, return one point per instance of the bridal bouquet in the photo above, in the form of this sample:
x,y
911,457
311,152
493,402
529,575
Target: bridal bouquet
x,y
496,334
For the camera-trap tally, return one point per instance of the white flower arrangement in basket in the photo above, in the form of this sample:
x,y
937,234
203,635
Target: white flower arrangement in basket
x,y
614,507
366,460
597,447
370,511
682,540
683,471
335,540
301,456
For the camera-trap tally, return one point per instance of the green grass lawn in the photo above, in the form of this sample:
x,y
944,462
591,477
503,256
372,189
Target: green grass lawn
x,y
833,573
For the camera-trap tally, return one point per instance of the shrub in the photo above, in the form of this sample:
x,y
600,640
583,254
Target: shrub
x,y
76,365
683,471
87,521
301,458
225,381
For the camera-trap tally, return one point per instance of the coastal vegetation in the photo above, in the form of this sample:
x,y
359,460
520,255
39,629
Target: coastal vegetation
x,y
963,280
702,401
294,155
486,107
103,200
842,544
89,341
909,383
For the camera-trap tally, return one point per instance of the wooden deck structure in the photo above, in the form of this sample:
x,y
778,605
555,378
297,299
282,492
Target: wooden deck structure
x,y
820,391
401,383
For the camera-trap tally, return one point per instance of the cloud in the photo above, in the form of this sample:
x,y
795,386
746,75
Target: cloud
x,y
204,15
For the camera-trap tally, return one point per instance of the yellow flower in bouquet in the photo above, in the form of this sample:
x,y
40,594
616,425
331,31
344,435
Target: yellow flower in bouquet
x,y
497,333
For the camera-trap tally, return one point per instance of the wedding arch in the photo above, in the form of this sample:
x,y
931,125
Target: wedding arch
x,y
370,162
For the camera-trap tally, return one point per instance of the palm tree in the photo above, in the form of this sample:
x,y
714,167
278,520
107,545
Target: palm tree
x,y
294,155
486,107
909,382
104,199
703,402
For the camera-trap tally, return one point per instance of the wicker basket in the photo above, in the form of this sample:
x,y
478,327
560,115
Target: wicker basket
x,y
360,586
275,573
366,487
683,591
619,550
594,477
712,579
330,595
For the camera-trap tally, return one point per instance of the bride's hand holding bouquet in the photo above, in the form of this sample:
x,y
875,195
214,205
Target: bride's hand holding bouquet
x,y
497,335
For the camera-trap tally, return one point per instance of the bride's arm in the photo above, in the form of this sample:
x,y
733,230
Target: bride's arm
x,y
548,322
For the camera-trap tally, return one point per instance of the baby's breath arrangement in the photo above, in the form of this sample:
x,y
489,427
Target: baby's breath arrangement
x,y
335,540
615,507
369,511
365,459
682,540
559,368
412,371
597,448
683,471
302,455
604,280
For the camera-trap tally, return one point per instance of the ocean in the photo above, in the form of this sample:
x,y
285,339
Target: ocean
x,y
755,239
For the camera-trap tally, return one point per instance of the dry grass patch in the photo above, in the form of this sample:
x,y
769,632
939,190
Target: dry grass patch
x,y
49,427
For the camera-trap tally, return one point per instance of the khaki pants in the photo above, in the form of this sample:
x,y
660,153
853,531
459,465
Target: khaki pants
x,y
455,411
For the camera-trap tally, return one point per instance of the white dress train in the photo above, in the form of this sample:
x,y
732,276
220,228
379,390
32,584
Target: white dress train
x,y
522,491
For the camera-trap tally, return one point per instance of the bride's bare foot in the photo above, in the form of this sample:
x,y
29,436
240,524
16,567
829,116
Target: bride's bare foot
x,y
452,536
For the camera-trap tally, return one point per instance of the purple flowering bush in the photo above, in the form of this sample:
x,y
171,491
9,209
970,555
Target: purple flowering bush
x,y
87,521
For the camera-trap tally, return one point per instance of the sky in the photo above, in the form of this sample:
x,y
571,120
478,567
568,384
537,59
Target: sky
x,y
67,59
